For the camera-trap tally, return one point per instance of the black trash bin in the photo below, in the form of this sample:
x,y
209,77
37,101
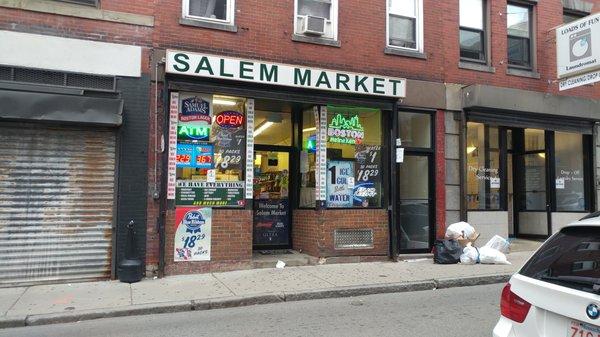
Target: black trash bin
x,y
130,267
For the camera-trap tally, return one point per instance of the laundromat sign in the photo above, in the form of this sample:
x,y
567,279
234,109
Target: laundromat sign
x,y
203,65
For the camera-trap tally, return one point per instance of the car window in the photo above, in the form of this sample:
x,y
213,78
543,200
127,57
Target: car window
x,y
571,259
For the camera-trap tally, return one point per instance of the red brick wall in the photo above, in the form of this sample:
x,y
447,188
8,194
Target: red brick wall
x,y
265,29
548,14
231,243
312,231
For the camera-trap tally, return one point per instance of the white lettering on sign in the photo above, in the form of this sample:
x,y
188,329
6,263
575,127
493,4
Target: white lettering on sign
x,y
203,65
577,81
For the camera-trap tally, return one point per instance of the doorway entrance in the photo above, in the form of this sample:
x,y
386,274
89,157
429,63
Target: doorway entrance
x,y
415,189
531,203
272,216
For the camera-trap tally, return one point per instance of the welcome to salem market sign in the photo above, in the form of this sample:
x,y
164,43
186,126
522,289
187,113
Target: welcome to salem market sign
x,y
203,65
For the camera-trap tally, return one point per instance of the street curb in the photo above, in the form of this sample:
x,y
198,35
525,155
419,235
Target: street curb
x,y
132,310
11,322
359,290
454,282
241,301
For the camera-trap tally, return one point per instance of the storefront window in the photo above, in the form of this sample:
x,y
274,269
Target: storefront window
x,y
307,159
272,127
415,129
483,167
211,143
570,190
354,165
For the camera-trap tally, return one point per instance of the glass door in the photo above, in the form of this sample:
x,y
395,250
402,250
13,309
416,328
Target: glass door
x,y
531,184
272,215
414,203
415,190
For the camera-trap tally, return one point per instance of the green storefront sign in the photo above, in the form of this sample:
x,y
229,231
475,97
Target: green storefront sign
x,y
217,194
228,68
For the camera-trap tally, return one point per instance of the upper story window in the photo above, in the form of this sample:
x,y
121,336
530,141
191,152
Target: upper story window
x,y
569,16
316,18
405,24
519,30
82,2
220,11
472,30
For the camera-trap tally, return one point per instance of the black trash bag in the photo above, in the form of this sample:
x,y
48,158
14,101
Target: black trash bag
x,y
446,252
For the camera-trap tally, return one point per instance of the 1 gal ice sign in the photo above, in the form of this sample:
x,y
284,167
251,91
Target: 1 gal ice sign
x,y
339,194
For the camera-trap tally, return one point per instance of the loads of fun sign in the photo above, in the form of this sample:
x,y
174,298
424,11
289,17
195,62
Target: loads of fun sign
x,y
203,65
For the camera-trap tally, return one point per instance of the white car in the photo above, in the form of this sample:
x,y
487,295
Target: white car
x,y
557,292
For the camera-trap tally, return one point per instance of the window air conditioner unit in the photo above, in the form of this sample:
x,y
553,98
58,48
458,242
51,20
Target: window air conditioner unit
x,y
312,25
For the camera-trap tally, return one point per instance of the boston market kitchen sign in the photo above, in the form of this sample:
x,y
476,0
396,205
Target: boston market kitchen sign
x,y
204,65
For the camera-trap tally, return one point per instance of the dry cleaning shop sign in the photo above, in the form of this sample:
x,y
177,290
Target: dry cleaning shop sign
x,y
212,66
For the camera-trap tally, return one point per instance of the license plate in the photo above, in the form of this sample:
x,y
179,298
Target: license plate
x,y
579,329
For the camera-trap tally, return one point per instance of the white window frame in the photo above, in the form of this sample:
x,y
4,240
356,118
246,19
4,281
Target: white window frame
x,y
418,29
333,15
230,13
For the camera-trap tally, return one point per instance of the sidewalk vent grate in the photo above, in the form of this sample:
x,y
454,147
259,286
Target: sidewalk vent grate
x,y
58,78
353,238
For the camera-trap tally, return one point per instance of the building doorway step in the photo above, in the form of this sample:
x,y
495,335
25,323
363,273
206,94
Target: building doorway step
x,y
291,258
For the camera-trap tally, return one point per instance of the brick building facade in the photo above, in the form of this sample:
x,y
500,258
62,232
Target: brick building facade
x,y
448,97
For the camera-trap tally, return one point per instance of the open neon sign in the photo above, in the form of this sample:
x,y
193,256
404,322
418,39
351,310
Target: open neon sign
x,y
229,119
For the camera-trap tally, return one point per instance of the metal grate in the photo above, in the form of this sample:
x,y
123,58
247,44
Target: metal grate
x,y
49,77
5,74
39,76
90,81
353,238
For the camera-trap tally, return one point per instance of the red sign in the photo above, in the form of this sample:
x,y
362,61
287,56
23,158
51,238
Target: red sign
x,y
183,158
203,159
230,119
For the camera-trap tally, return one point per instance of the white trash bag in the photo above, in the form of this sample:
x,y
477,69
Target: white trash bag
x,y
458,230
470,255
499,243
489,255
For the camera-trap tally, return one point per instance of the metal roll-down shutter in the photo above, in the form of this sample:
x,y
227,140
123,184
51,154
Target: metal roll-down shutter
x,y
57,194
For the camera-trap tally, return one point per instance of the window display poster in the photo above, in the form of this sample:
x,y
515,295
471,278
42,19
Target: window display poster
x,y
367,187
195,155
192,234
339,194
203,193
271,222
196,108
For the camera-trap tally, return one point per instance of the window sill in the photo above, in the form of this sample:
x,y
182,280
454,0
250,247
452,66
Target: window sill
x,y
316,40
79,11
476,66
523,73
407,53
209,25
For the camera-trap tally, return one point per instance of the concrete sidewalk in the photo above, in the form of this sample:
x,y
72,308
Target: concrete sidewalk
x,y
47,304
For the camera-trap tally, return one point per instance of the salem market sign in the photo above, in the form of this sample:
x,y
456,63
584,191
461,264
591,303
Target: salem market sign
x,y
204,65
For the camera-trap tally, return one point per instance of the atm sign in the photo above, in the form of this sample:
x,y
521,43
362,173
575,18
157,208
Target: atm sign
x,y
230,119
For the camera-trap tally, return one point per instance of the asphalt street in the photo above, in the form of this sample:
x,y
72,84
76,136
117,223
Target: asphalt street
x,y
464,312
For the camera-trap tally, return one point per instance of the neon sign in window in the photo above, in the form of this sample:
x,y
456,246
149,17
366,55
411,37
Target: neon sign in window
x,y
345,130
193,132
